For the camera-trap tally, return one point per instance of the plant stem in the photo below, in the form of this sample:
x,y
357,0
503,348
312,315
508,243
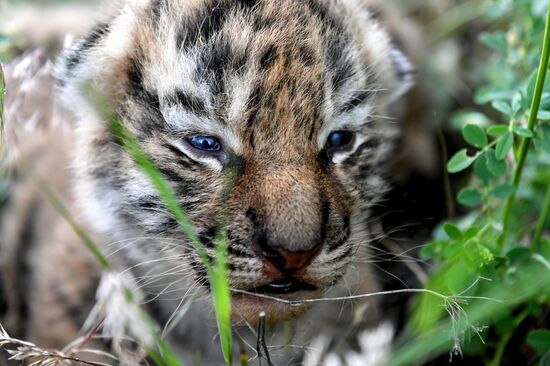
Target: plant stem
x,y
525,142
535,244
501,347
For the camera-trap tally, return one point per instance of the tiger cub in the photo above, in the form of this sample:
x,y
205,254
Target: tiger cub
x,y
275,117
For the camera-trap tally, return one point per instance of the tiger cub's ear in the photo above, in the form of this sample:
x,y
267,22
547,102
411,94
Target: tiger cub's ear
x,y
391,20
404,71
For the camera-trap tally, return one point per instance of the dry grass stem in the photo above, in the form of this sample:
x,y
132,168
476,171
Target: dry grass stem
x,y
33,355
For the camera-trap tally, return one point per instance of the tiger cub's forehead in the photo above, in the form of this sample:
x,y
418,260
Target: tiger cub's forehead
x,y
257,67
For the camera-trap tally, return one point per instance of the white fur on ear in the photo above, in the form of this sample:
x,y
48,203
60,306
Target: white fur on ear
x,y
404,70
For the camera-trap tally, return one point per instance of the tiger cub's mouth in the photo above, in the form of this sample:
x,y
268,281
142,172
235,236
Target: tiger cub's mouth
x,y
285,285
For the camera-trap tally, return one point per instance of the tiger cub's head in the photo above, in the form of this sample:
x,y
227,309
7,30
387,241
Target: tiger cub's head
x,y
269,116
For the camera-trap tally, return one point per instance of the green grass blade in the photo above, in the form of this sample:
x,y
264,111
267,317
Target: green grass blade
x,y
166,354
156,357
222,296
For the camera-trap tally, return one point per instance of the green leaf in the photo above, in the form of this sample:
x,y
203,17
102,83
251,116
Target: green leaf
x,y
504,190
452,231
459,162
485,95
481,170
517,103
471,232
495,166
504,145
519,254
503,107
497,130
470,197
475,136
543,115
495,40
523,132
539,340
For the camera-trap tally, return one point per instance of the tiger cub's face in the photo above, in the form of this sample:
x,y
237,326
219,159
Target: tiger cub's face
x,y
269,116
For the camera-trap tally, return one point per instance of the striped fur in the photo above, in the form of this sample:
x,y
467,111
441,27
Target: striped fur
x,y
271,80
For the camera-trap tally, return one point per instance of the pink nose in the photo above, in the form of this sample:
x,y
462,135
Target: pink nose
x,y
289,261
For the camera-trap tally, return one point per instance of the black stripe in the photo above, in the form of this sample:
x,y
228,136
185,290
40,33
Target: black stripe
x,y
343,235
149,203
268,57
356,100
174,150
145,98
168,225
306,55
319,10
201,274
187,101
169,174
253,217
208,21
207,236
203,26
253,106
357,158
325,213
183,161
239,252
341,68
349,251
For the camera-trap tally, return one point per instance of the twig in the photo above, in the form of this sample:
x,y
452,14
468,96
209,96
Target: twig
x,y
260,344
88,336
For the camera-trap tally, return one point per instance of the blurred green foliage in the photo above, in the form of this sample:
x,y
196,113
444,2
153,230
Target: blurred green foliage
x,y
493,253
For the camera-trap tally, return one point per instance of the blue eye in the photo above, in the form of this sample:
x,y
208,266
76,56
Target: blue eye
x,y
339,139
205,143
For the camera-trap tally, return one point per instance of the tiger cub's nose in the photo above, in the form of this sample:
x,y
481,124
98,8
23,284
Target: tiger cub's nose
x,y
286,261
